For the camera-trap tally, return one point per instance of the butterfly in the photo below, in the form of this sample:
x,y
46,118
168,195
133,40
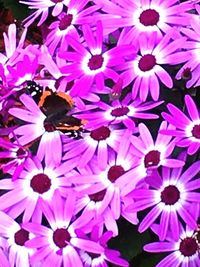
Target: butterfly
x,y
57,107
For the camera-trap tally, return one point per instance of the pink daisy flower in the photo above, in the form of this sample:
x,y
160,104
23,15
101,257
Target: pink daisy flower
x,y
182,252
169,196
14,243
145,69
187,130
125,112
101,189
66,24
148,155
35,182
96,141
43,9
59,245
137,17
89,63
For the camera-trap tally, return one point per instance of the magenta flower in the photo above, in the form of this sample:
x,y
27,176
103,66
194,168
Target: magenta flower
x,y
59,245
187,130
183,252
100,189
137,17
43,7
125,111
89,63
34,182
66,24
145,69
113,256
170,196
152,154
96,141
14,243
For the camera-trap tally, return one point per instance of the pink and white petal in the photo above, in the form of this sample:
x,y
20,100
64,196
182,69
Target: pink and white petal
x,y
37,229
53,259
163,76
82,86
73,257
193,148
145,135
4,259
99,79
57,206
69,207
29,210
110,222
173,163
136,86
102,155
187,217
189,173
106,201
150,217
57,9
154,87
164,224
87,155
30,104
24,115
37,242
38,256
191,107
56,143
87,245
89,37
116,204
11,198
144,88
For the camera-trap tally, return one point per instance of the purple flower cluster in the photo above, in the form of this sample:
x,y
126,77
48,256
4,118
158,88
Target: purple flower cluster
x,y
87,136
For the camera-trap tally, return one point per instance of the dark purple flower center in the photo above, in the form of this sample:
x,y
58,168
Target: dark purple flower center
x,y
95,62
186,74
115,172
56,1
188,246
21,153
21,237
65,22
170,195
101,133
149,17
49,127
99,196
93,255
40,183
121,111
147,62
152,158
61,237
196,131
